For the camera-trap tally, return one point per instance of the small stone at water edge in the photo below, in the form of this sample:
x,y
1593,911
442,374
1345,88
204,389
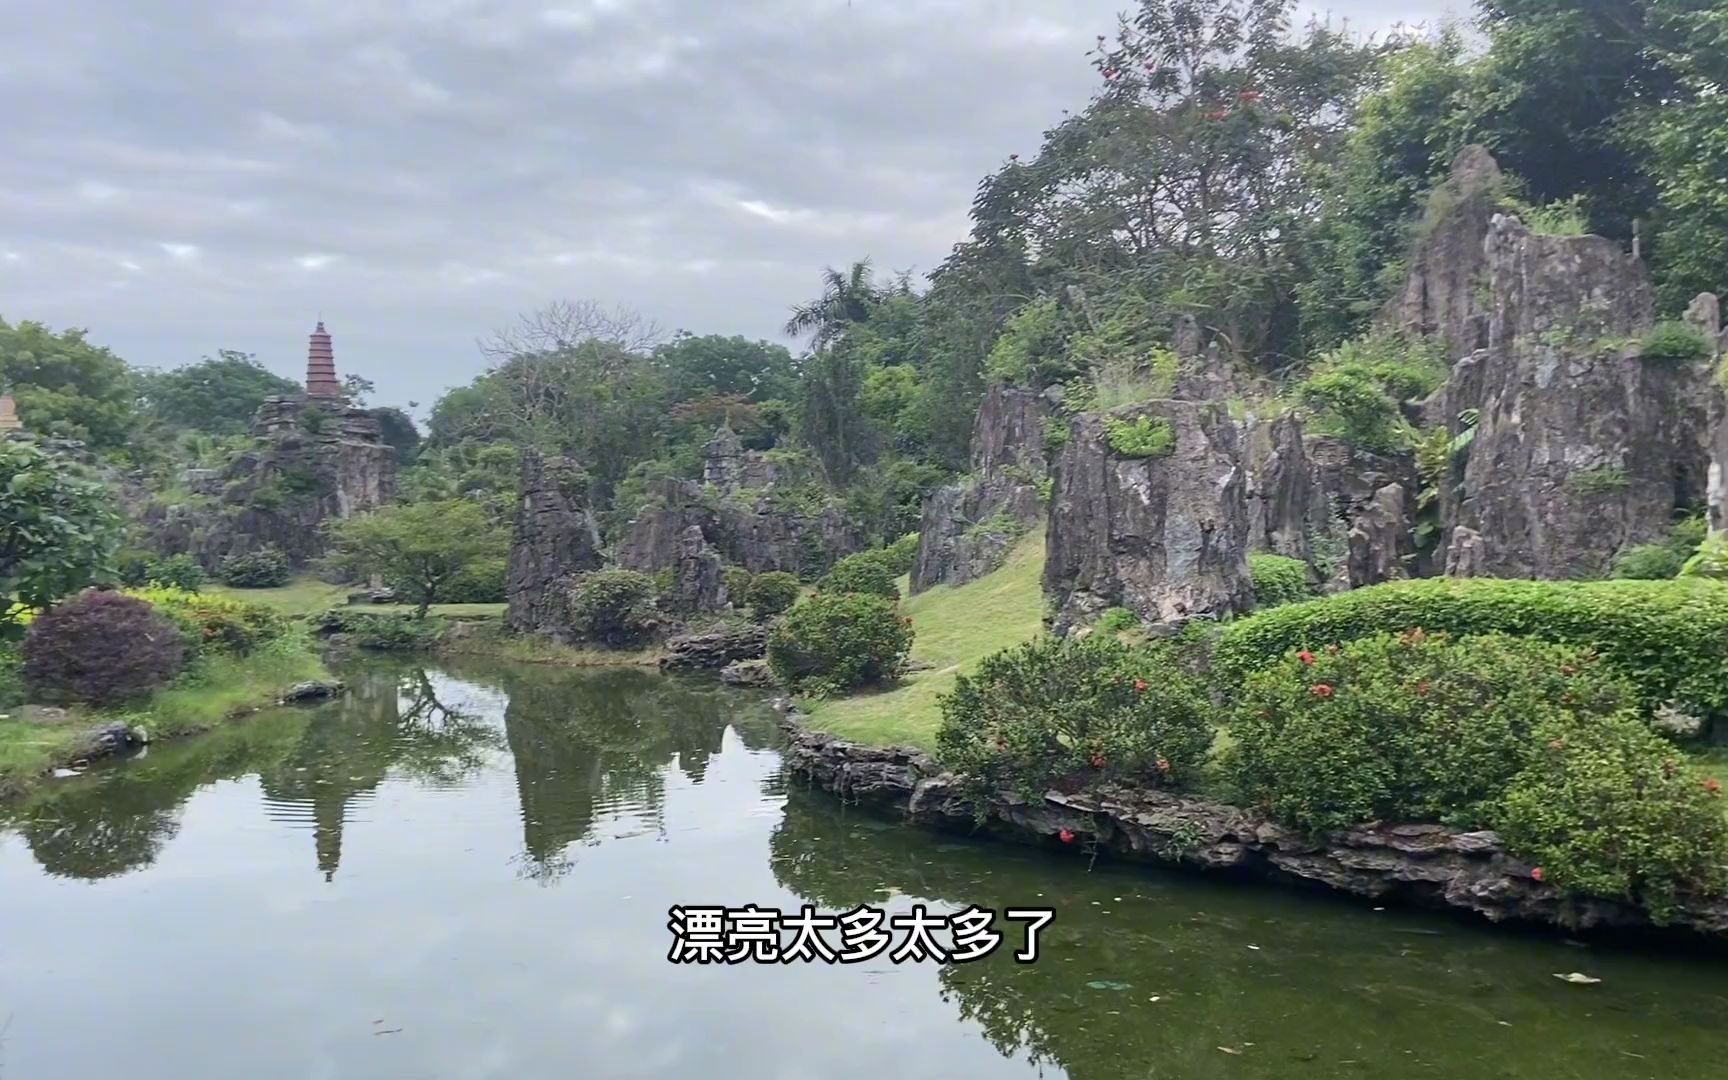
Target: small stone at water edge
x,y
1256,948
1577,979
61,774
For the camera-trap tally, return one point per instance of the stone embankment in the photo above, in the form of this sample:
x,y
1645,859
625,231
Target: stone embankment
x,y
1423,864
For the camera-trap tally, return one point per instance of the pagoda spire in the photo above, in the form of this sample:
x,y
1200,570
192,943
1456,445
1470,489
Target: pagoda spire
x,y
321,381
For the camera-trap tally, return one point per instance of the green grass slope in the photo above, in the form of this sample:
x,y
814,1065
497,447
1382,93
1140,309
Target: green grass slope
x,y
954,628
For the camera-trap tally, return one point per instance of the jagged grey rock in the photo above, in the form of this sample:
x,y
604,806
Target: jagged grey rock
x,y
966,529
717,648
748,673
1581,447
698,577
1447,267
1165,537
554,538
758,534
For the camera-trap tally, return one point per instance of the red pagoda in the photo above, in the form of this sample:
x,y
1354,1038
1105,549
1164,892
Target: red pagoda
x,y
321,384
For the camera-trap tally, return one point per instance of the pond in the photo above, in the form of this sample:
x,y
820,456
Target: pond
x,y
465,872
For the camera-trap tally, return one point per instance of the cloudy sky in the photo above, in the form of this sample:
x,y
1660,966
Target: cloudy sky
x,y
188,175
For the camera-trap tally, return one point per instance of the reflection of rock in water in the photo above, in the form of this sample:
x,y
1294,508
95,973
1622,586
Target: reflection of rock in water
x,y
596,745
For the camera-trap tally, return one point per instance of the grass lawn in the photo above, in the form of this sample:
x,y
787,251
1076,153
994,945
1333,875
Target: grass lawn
x,y
953,629
306,596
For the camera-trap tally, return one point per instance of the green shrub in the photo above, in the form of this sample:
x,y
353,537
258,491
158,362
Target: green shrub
x,y
1142,437
1278,580
1055,434
177,572
133,567
11,676
773,592
1605,808
1356,388
1669,637
1405,727
1676,342
100,647
1664,558
737,581
1071,713
1605,480
1711,561
863,573
266,568
380,631
479,582
899,556
1563,217
1115,620
613,607
835,642
214,624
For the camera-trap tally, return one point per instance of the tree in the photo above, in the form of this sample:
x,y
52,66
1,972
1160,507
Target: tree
x,y
846,299
399,431
66,386
565,324
217,395
727,366
418,548
57,533
356,389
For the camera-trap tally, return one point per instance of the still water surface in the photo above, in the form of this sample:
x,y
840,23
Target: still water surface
x,y
465,873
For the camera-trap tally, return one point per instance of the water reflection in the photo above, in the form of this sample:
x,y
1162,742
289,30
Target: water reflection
x,y
371,865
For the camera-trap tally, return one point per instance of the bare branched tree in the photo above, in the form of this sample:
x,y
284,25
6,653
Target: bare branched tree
x,y
565,324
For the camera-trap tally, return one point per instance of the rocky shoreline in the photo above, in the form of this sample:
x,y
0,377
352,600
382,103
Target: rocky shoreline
x,y
1419,864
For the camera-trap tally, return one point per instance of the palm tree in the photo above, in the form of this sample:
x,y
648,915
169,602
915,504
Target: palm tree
x,y
846,298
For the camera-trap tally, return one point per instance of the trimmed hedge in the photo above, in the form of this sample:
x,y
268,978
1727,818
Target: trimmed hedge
x,y
1670,638
1278,580
836,642
865,573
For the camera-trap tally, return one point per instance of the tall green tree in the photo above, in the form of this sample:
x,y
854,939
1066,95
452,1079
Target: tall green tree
x,y
58,532
66,386
217,395
847,298
1686,138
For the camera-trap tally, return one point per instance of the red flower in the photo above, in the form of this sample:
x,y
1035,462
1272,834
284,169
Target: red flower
x,y
1306,657
1163,765
1712,785
1249,96
1097,761
1140,685
1536,874
1065,836
1320,690
1218,114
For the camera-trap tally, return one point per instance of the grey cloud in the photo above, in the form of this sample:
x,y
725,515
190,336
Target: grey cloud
x,y
186,176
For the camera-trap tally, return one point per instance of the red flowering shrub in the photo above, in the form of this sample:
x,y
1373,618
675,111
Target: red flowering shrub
x,y
1072,713
1411,726
1607,808
100,647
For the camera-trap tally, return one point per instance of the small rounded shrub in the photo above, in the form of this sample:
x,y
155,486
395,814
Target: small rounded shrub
x,y
100,647
1604,807
1710,562
1070,713
737,585
835,642
1675,342
379,631
133,567
613,607
1669,637
1278,580
213,624
266,568
1406,727
1115,620
178,572
863,573
1142,437
772,592
1665,558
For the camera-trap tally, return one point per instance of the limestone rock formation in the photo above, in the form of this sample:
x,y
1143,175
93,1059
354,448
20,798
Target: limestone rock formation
x,y
727,467
714,649
1581,447
311,462
967,528
760,533
1165,537
698,577
1440,297
554,538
